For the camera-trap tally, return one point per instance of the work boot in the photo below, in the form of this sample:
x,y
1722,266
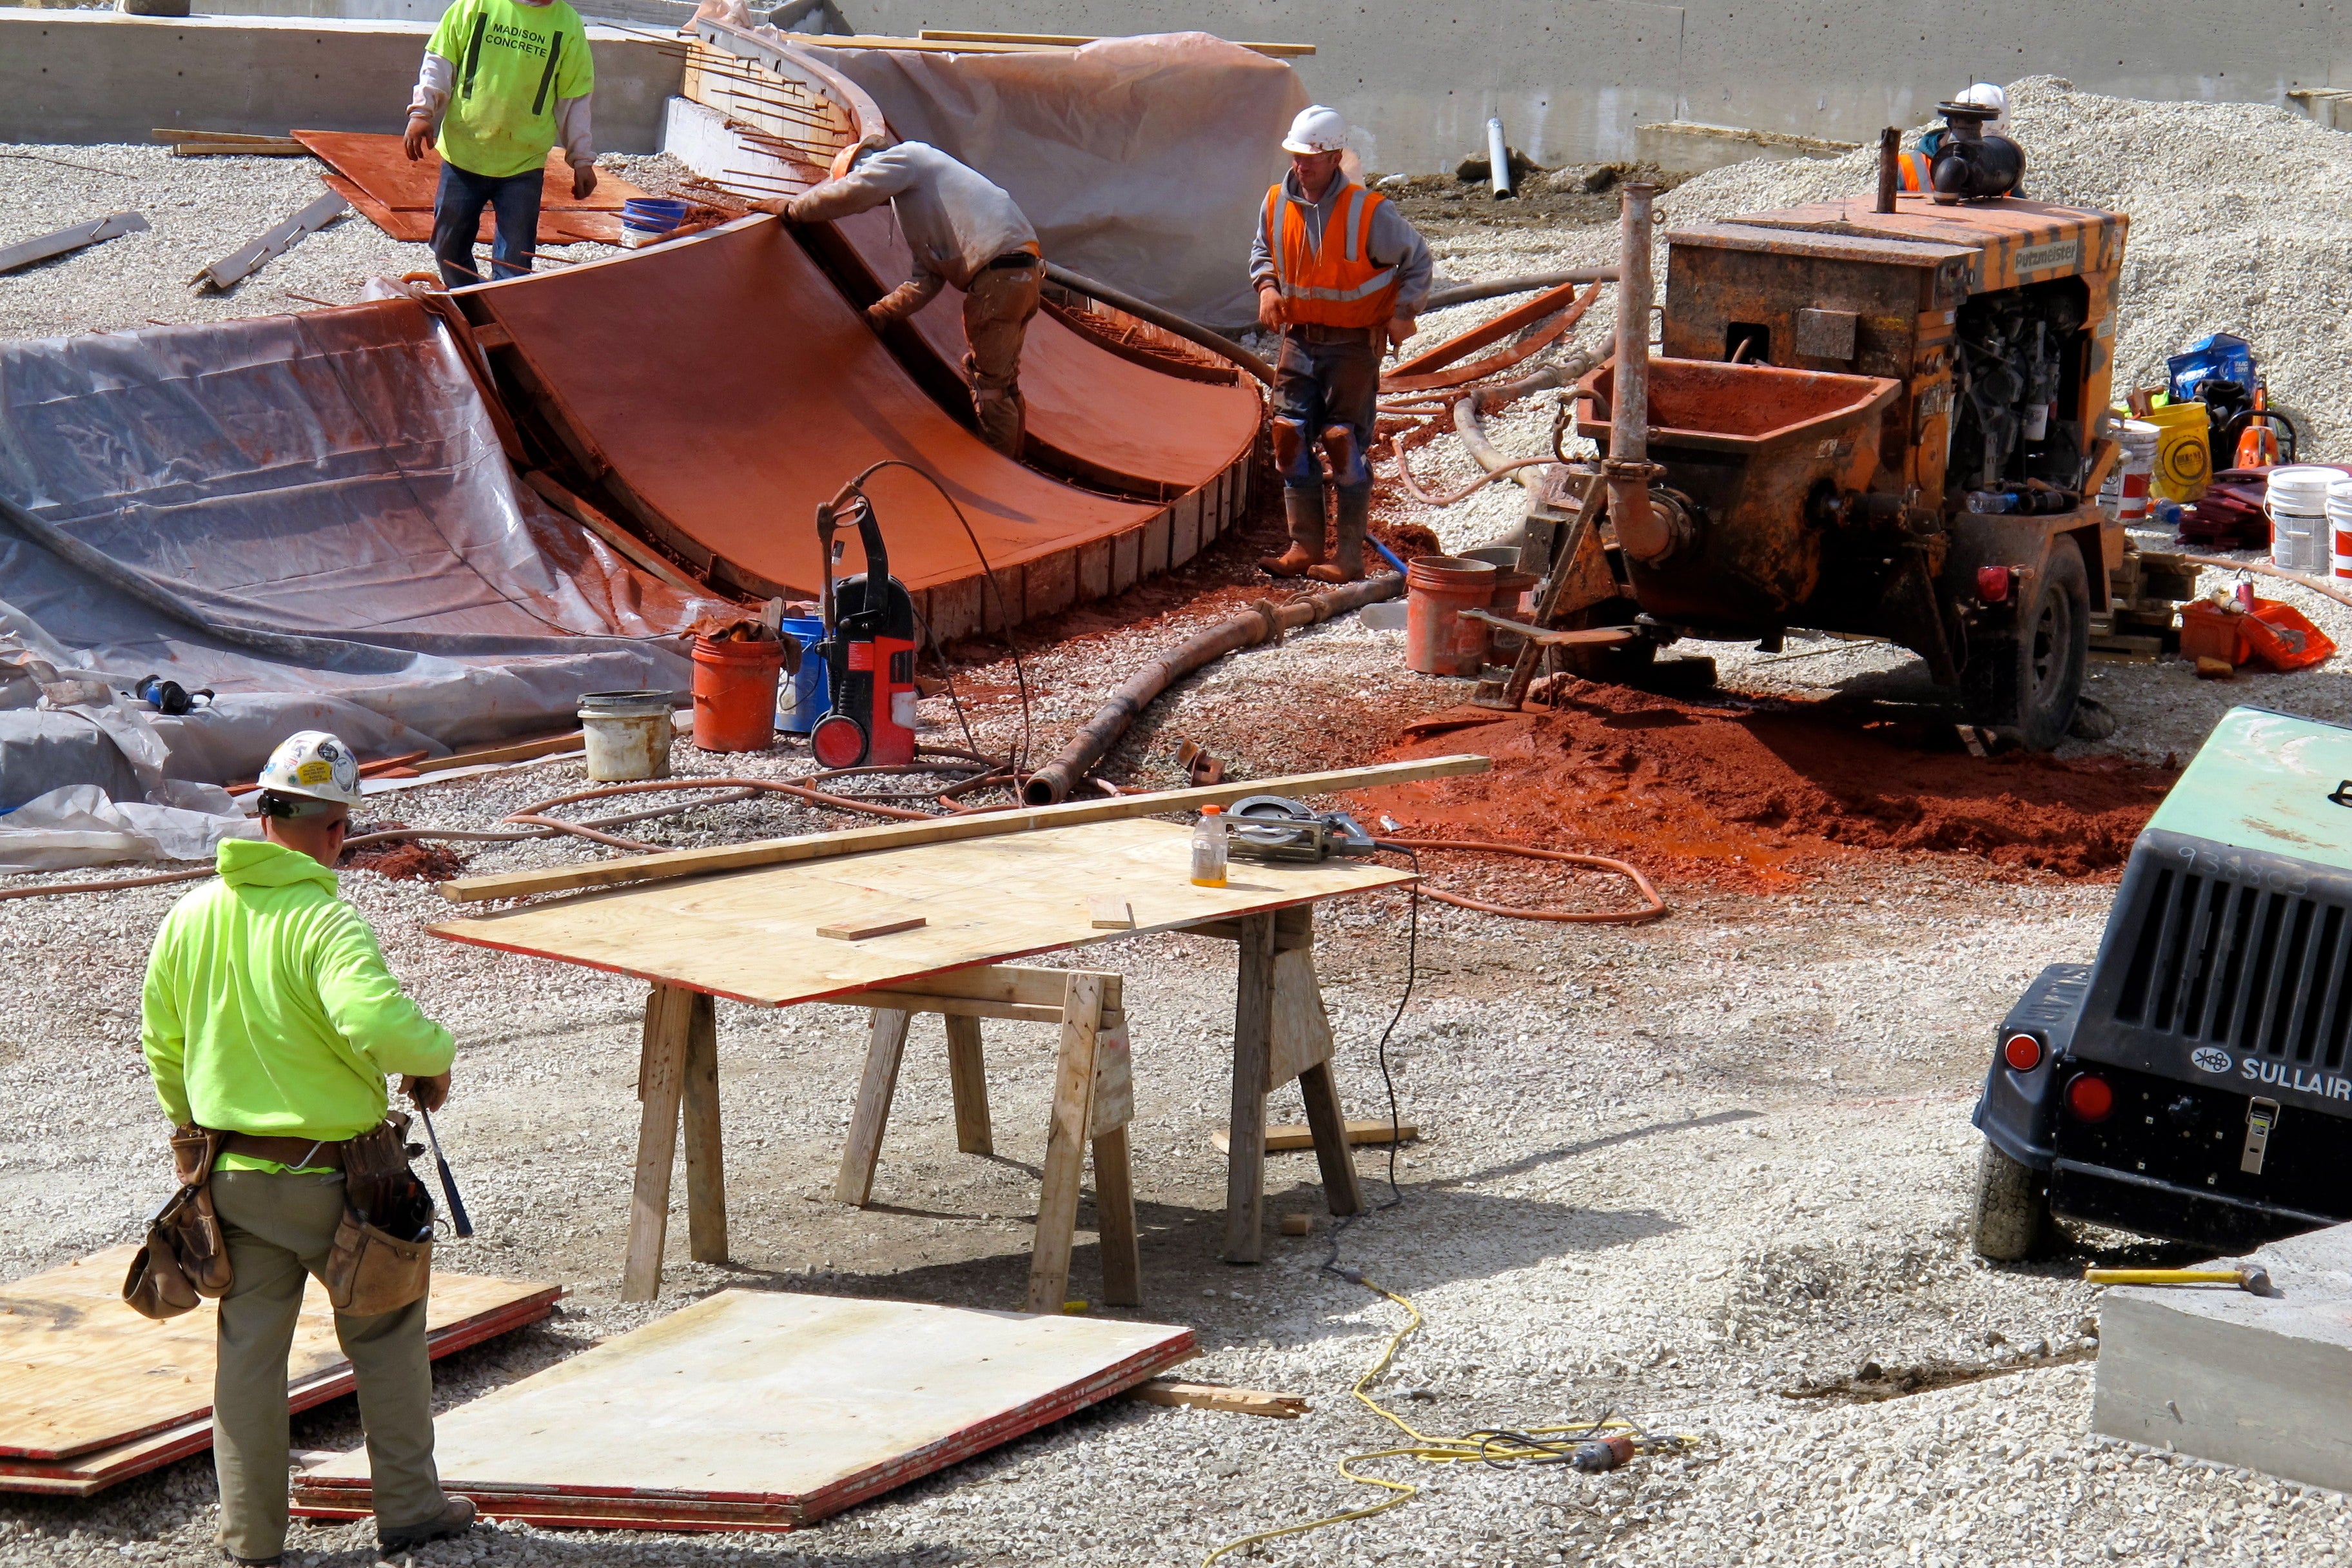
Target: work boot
x,y
456,1518
1302,513
1347,564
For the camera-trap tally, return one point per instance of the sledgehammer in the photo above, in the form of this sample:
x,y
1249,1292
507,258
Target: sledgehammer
x,y
2254,1280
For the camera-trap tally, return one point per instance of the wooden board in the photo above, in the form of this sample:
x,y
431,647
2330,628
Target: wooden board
x,y
82,1374
751,935
765,1409
1291,1137
372,172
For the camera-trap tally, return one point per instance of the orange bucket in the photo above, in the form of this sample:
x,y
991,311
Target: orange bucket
x,y
735,694
1439,639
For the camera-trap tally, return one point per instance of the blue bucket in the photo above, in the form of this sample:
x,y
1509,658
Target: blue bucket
x,y
654,214
808,695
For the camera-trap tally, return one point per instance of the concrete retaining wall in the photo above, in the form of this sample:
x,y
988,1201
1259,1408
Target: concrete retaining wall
x,y
94,75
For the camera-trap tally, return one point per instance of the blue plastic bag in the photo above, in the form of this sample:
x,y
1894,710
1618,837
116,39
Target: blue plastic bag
x,y
2217,357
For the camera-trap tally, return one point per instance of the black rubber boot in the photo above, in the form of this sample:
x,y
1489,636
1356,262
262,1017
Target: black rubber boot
x,y
456,1518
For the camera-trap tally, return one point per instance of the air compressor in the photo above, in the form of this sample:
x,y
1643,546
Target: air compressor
x,y
870,647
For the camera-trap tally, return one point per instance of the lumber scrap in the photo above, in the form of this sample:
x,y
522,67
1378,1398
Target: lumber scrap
x,y
258,147
1289,1138
40,247
941,830
176,138
1220,1396
1523,314
250,257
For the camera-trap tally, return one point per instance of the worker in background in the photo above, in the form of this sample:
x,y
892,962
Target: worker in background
x,y
1340,273
269,1015
964,231
1917,167
503,81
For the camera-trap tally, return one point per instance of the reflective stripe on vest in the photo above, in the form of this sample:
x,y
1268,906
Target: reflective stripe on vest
x,y
1915,172
1329,284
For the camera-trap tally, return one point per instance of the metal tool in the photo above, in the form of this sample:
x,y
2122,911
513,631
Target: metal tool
x,y
2254,1280
458,1220
1277,828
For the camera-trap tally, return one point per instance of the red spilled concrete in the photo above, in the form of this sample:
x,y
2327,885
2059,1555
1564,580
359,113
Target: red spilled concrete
x,y
718,388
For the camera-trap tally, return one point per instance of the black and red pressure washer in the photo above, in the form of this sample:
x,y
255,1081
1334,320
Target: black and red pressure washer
x,y
870,647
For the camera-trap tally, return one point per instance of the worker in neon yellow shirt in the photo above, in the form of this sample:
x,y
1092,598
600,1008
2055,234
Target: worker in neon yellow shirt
x,y
269,1015
503,81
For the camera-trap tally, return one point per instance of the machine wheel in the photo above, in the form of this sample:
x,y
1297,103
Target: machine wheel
x,y
2026,680
2011,1211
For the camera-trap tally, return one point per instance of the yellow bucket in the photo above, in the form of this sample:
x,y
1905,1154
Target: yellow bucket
x,y
2184,451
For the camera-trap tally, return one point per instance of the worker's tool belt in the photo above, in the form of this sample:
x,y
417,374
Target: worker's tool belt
x,y
1316,333
381,1258
183,1256
294,1153
1011,259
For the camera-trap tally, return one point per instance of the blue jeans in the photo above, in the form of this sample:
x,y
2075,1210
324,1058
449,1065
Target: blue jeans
x,y
1316,385
458,217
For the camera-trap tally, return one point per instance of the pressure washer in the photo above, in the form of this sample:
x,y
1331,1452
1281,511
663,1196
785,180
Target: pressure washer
x,y
869,646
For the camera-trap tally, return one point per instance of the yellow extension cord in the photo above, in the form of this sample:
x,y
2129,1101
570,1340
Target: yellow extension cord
x,y
1433,1450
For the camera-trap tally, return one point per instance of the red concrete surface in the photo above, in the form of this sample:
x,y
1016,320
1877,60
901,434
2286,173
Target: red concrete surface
x,y
723,387
374,175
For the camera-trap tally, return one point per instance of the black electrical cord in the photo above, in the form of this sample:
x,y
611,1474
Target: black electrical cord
x,y
1388,1082
1020,676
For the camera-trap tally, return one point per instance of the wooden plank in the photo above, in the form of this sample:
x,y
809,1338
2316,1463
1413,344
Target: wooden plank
x,y
178,136
1122,1255
968,1085
752,936
1253,1033
1113,1105
80,1373
1291,1138
1066,1144
40,247
661,1072
286,148
1010,982
1526,312
1110,914
521,751
1302,1028
886,1047
1220,1396
782,1406
880,925
1072,40
946,829
706,1154
1341,1189
955,1006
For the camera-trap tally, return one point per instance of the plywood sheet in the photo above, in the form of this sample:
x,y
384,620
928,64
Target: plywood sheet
x,y
751,935
81,1372
774,392
374,175
1085,403
765,1408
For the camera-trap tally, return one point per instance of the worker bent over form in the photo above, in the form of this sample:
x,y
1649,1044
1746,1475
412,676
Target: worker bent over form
x,y
269,1015
503,81
962,230
1341,273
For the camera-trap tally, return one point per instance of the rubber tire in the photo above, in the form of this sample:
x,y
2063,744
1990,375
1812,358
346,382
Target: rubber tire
x,y
2024,682
2011,1212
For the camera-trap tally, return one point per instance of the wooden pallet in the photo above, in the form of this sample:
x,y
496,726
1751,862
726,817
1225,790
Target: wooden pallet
x,y
92,1393
764,1410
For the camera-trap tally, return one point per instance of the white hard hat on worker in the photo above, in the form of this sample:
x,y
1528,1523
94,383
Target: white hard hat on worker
x,y
316,765
1317,129
1985,95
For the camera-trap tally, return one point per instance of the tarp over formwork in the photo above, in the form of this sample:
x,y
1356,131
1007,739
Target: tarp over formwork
x,y
312,516
1142,160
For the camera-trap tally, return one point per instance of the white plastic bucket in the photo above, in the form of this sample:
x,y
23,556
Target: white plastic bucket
x,y
2126,491
629,735
2296,500
2339,527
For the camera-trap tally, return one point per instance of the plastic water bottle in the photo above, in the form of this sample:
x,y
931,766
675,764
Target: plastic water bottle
x,y
1209,847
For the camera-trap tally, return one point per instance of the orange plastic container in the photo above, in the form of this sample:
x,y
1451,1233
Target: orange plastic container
x,y
2209,631
735,694
1438,638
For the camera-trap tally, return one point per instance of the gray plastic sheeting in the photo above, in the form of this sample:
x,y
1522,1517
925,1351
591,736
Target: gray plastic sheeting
x,y
310,515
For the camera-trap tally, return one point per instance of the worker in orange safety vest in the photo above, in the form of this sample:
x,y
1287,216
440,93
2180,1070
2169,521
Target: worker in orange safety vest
x,y
1340,273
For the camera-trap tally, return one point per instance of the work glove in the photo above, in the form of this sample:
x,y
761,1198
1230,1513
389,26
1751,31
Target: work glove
x,y
417,138
427,1093
583,184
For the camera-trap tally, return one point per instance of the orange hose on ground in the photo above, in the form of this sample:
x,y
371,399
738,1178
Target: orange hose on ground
x,y
1657,905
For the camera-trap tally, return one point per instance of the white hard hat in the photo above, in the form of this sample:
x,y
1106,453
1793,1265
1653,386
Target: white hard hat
x,y
1985,95
1316,130
314,763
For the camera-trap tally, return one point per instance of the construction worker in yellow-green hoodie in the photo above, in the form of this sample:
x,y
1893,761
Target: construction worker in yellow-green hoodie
x,y
268,1016
504,80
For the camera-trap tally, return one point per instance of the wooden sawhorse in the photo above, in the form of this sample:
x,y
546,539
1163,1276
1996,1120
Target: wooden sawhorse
x,y
1094,1099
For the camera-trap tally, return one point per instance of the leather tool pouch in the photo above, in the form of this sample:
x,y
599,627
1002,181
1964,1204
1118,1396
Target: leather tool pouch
x,y
383,1255
183,1256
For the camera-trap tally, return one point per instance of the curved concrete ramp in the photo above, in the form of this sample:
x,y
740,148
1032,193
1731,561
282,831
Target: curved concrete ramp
x,y
719,387
1104,420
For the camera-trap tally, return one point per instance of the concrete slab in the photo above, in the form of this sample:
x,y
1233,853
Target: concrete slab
x,y
99,76
2262,1381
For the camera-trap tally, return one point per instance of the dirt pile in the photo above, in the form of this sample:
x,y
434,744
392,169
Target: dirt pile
x,y
405,860
1761,794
